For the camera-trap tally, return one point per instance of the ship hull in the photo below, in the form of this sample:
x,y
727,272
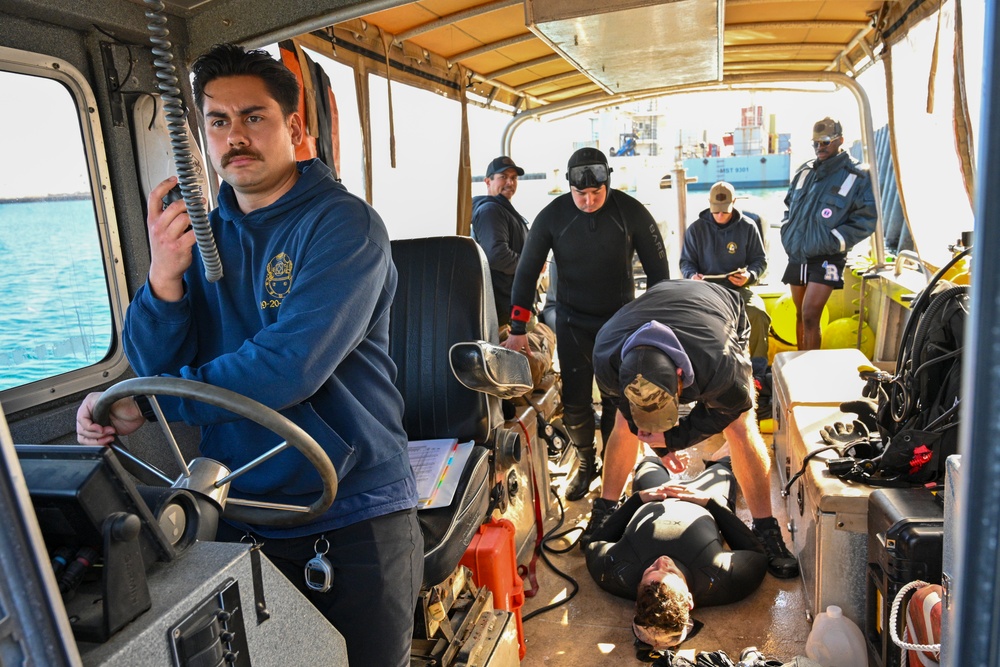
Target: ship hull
x,y
743,171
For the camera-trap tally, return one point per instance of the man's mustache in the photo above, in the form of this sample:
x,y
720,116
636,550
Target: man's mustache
x,y
240,152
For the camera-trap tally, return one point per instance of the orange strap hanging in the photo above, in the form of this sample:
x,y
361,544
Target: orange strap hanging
x,y
306,149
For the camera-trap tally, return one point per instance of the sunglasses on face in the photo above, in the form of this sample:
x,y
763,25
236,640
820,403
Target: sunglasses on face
x,y
821,144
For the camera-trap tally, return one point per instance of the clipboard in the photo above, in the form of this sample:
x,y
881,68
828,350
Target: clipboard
x,y
444,494
723,276
438,465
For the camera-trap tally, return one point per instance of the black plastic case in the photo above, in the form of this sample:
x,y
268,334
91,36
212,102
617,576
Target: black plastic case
x,y
905,542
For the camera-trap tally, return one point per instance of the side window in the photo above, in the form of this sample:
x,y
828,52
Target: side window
x,y
57,317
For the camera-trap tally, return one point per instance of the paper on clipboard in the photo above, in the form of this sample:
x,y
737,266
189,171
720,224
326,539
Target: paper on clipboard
x,y
428,458
723,276
445,491
438,465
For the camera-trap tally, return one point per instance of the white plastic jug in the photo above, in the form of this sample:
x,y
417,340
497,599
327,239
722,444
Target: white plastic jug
x,y
835,641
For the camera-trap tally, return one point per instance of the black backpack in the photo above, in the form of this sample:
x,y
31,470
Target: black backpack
x,y
918,405
919,419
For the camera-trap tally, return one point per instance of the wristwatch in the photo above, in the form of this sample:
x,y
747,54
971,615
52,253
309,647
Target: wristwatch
x,y
145,407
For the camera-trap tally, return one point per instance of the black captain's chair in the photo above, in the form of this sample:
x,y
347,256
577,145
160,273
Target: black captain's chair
x,y
443,327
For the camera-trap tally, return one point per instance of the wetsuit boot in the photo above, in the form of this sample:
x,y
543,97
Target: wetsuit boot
x,y
582,436
599,513
579,482
780,561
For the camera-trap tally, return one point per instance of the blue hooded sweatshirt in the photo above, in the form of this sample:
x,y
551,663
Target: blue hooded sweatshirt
x,y
299,323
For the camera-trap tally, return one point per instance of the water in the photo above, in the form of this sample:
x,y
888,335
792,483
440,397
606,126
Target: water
x,y
56,317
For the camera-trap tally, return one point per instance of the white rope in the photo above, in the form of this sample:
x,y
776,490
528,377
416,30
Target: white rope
x,y
903,645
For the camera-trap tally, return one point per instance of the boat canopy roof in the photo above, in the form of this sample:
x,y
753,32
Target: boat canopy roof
x,y
532,58
517,55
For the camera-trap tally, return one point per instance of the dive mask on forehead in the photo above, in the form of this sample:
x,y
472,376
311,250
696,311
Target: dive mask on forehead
x,y
588,175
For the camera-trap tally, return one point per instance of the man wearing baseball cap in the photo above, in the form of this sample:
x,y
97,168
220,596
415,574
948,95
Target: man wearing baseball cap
x,y
685,341
593,232
724,247
500,229
830,208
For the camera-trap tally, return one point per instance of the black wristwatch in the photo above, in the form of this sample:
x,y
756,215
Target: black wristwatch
x,y
145,407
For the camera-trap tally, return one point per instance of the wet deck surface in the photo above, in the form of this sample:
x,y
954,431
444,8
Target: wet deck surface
x,y
594,628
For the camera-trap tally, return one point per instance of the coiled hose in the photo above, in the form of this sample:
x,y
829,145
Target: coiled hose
x,y
188,169
917,308
899,396
937,302
902,396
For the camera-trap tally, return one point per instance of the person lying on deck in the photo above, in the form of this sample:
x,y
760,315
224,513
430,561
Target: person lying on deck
x,y
666,548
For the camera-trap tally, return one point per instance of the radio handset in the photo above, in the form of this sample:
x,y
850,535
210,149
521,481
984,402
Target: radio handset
x,y
172,196
188,170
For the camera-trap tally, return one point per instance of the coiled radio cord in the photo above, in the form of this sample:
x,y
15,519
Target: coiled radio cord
x,y
188,169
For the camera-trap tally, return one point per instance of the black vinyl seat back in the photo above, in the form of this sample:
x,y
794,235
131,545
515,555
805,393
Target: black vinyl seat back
x,y
444,296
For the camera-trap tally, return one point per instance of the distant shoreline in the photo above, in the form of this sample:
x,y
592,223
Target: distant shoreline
x,y
40,198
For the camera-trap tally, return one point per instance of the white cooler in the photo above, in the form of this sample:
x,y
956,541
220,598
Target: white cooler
x,y
814,378
828,518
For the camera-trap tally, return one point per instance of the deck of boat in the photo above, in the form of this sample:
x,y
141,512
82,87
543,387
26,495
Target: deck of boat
x,y
594,628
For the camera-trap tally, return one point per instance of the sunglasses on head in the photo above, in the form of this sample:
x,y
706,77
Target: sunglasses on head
x,y
588,175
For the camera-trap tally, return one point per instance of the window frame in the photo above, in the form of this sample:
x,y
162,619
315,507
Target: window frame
x,y
114,364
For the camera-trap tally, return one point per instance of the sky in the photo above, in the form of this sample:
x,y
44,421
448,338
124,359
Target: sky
x,y
426,128
422,186
39,155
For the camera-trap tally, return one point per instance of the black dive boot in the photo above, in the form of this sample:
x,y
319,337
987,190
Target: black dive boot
x,y
579,482
780,562
599,513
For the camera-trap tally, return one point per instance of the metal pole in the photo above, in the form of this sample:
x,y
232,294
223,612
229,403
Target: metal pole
x,y
680,185
974,600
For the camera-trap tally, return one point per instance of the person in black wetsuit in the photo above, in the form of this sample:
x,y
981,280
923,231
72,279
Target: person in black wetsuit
x,y
593,232
685,341
664,548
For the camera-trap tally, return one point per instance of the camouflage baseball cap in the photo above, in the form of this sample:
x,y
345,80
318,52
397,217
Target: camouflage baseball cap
x,y
648,380
827,130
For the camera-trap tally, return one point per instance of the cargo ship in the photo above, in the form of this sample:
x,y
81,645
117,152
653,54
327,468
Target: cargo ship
x,y
752,156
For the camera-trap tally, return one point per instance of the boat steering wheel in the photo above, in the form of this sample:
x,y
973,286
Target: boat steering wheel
x,y
211,477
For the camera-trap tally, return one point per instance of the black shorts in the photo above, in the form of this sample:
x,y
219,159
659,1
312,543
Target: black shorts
x,y
824,269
